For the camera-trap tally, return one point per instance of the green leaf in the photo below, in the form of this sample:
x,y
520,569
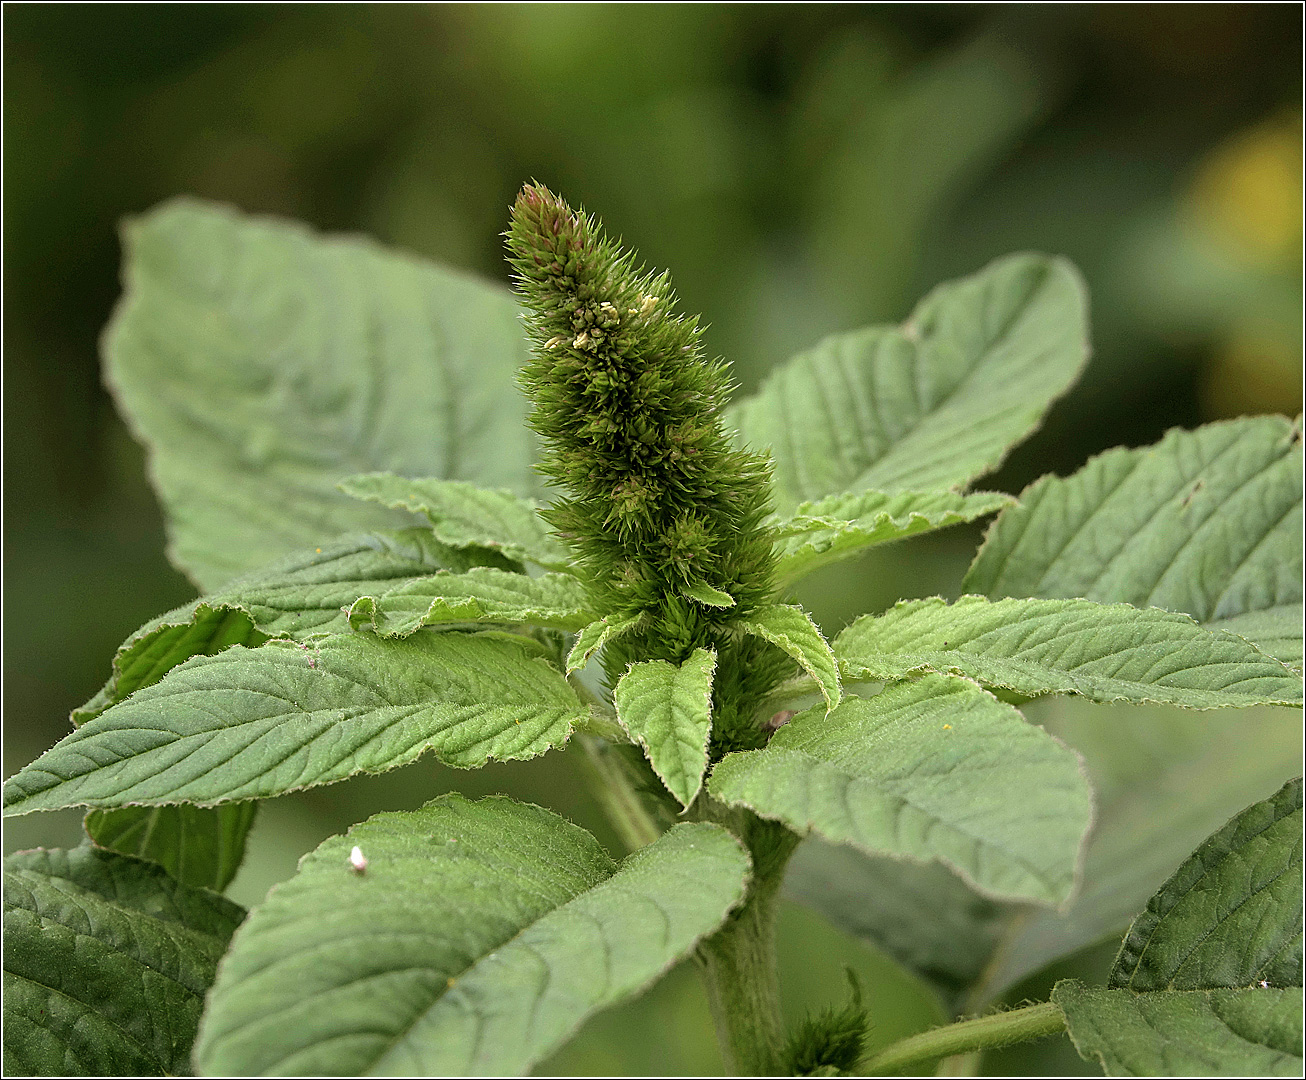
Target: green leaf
x,y
106,963
667,709
304,595
593,637
820,533
196,845
931,405
1190,1033
260,363
479,937
253,723
1161,784
1106,652
300,595
934,768
482,595
1209,977
464,515
1231,915
790,628
706,595
1207,522
1275,630
200,628
308,594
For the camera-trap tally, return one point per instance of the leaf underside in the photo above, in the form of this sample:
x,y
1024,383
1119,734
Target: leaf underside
x,y
593,637
790,628
200,846
838,527
932,769
482,595
480,936
464,515
924,915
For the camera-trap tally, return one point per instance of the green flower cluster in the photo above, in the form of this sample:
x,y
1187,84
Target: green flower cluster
x,y
665,515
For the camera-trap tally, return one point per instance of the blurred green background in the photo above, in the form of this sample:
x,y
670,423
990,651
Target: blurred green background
x,y
800,169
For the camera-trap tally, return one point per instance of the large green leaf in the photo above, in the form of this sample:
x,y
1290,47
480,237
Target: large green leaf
x,y
253,723
1209,977
820,533
1231,915
1106,652
260,363
106,963
930,405
476,940
197,845
1187,1033
932,769
300,595
199,628
667,709
1161,783
1207,522
790,628
464,515
484,594
304,595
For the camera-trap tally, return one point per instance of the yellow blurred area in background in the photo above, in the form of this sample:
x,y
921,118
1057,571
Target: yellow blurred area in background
x,y
1247,200
1247,193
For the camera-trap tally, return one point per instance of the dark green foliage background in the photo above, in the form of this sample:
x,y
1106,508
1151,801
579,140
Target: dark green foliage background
x,y
800,170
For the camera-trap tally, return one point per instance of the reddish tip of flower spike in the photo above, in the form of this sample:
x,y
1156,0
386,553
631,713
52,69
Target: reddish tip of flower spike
x,y
545,213
532,196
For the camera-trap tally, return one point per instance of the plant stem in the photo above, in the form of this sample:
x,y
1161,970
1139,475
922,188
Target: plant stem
x,y
738,963
612,785
965,1036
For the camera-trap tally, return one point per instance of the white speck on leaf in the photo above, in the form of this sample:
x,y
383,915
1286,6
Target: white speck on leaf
x,y
357,861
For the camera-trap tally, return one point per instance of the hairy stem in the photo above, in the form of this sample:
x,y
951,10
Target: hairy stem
x,y
738,963
967,1036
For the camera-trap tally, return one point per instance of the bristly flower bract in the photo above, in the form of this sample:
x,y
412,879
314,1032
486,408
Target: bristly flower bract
x,y
663,513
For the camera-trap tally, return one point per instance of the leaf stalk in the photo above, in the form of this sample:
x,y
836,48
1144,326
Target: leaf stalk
x,y
969,1036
